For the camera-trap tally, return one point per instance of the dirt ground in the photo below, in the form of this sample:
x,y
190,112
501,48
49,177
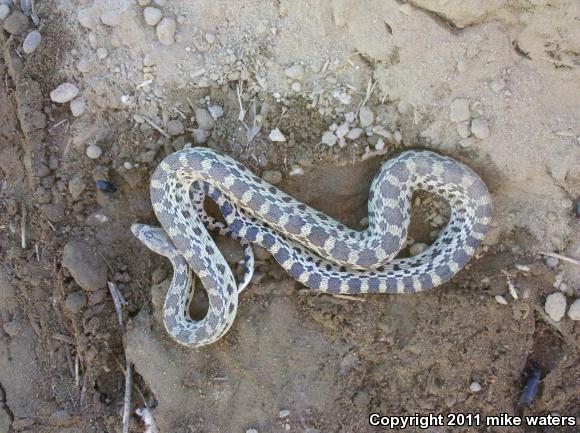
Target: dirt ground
x,y
346,84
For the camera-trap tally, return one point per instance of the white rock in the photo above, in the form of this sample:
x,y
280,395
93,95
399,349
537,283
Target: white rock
x,y
152,15
349,117
574,311
475,387
102,53
64,93
500,300
463,129
284,413
342,130
366,117
111,18
166,31
252,430
329,138
459,110
160,2
296,72
480,128
94,151
216,111
354,133
77,106
210,37
555,306
31,42
276,135
417,248
4,11
296,86
380,144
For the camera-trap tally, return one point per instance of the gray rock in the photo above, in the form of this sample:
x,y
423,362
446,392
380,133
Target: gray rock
x,y
459,110
166,31
4,11
417,248
53,211
77,106
76,186
5,420
480,128
75,302
204,119
158,275
555,306
366,117
88,269
93,151
574,311
152,15
16,23
111,18
174,127
31,42
551,262
272,176
64,93
296,72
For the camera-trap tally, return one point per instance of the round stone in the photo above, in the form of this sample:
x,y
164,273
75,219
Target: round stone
x,y
75,302
555,306
77,106
152,15
574,311
64,93
166,31
94,151
475,387
31,42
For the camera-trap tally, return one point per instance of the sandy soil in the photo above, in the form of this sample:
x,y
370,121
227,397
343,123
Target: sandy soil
x,y
495,84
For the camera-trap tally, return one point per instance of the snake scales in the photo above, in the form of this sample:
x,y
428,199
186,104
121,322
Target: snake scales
x,y
313,248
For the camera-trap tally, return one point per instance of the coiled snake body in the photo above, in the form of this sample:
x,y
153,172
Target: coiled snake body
x,y
313,248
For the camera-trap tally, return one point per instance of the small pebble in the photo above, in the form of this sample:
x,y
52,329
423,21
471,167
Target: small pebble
x,y
76,187
329,138
366,117
480,128
354,133
75,302
94,151
296,72
251,430
475,387
342,130
467,142
4,11
174,127
204,119
417,248
284,413
64,93
166,31
501,300
111,18
555,306
296,86
158,275
459,110
87,268
77,106
574,311
272,176
276,135
152,15
16,23
102,53
31,42
551,262
216,111
463,129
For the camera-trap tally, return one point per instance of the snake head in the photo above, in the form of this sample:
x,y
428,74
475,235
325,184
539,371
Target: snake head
x,y
155,238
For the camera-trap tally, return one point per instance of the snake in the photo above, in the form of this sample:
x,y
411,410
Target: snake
x,y
315,249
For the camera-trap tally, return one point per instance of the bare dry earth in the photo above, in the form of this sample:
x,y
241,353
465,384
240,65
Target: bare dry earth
x,y
494,84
